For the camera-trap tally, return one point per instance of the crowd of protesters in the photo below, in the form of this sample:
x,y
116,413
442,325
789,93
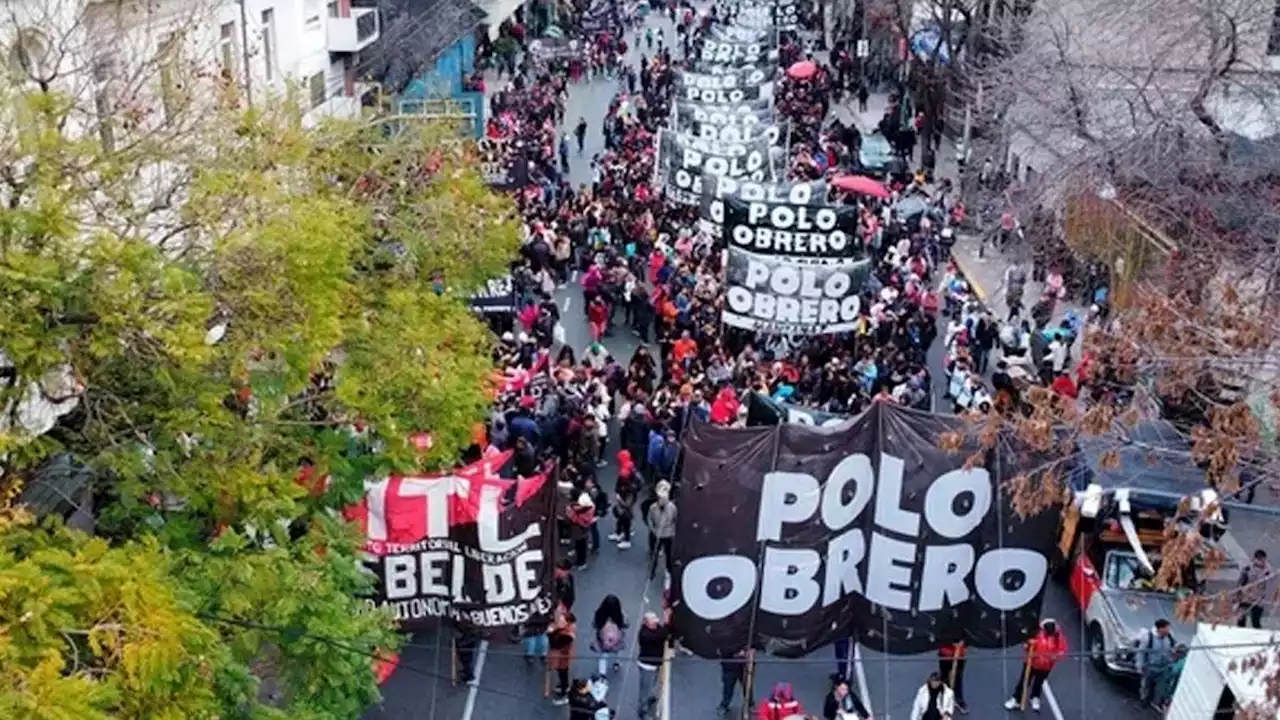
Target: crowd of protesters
x,y
644,268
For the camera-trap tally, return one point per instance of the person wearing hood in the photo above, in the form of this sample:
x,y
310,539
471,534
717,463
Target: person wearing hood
x,y
1043,652
663,451
561,637
624,499
781,704
661,519
581,515
934,700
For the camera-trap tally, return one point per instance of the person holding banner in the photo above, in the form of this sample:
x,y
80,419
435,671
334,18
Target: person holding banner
x,y
1043,652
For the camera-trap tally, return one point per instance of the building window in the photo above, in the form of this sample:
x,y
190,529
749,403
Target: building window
x,y
334,10
227,50
317,89
1273,40
311,11
269,43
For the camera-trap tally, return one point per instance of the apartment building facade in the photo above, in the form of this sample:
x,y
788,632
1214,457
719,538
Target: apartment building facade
x,y
263,49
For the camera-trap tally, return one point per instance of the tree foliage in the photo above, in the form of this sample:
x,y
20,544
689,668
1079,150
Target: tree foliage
x,y
231,300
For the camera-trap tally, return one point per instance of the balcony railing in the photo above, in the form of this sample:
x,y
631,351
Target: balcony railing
x,y
353,33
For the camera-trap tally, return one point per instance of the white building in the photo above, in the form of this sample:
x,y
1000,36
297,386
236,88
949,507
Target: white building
x,y
166,48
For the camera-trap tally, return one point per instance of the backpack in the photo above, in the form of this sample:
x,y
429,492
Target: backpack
x,y
610,637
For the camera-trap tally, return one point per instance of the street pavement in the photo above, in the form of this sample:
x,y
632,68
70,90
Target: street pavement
x,y
508,687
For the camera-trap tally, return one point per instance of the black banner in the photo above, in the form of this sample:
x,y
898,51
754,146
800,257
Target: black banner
x,y
794,231
497,296
756,113
484,553
779,295
763,410
739,34
718,191
686,159
718,52
753,16
867,531
734,79
730,134
502,163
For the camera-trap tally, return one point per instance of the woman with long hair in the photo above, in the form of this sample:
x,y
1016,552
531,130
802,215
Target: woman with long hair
x,y
608,624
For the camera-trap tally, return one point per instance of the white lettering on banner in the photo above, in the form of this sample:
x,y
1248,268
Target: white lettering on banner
x,y
437,493
739,134
734,78
790,295
862,555
788,242
795,194
712,96
732,115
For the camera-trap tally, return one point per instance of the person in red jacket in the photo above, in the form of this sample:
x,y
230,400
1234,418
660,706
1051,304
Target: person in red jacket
x,y
1043,652
780,705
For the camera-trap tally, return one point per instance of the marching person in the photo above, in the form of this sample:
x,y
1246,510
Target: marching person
x,y
843,704
934,700
1043,652
651,650
781,705
561,637
733,672
661,519
951,668
608,624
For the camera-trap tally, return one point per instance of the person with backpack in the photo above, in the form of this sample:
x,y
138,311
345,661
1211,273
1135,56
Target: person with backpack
x,y
1154,654
608,624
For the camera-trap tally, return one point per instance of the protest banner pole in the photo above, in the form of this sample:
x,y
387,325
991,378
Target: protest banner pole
x,y
755,609
546,680
664,680
955,665
453,661
748,681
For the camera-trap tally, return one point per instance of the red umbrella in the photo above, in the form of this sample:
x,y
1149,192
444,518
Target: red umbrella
x,y
861,184
802,70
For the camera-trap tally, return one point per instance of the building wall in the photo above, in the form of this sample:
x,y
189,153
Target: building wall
x,y
266,49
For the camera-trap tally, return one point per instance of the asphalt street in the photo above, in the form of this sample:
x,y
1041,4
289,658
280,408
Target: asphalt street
x,y
509,687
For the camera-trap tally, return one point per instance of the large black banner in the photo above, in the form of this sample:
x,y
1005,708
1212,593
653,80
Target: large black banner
x,y
869,530
686,159
794,231
469,547
779,295
764,410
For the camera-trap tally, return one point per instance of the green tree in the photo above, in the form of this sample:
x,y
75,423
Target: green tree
x,y
220,303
